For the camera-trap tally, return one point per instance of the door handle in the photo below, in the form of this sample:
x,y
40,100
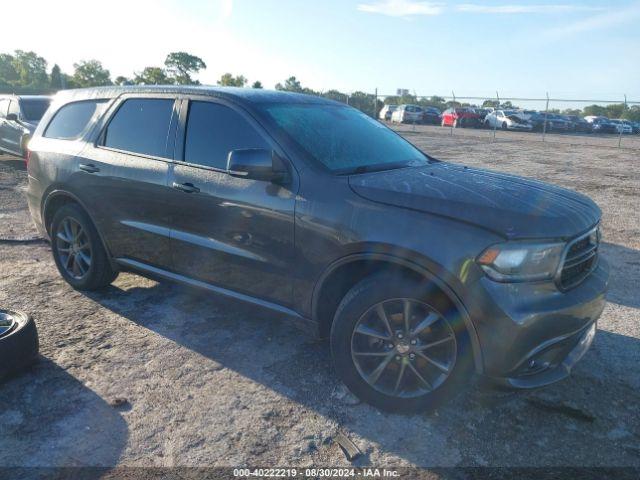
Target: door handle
x,y
186,187
88,168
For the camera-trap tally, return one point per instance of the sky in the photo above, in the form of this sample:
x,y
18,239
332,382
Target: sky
x,y
571,49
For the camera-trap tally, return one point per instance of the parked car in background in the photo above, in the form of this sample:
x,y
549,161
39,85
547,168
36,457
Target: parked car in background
x,y
386,112
579,124
482,114
555,123
431,116
465,117
622,126
507,120
19,117
636,127
407,114
601,124
420,272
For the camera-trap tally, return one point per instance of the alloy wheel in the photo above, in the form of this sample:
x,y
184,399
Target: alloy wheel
x,y
403,348
74,248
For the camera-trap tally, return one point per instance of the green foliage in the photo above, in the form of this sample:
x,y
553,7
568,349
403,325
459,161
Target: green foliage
x,y
257,84
8,73
228,80
291,84
153,76
23,69
55,79
615,110
336,95
121,80
181,65
91,73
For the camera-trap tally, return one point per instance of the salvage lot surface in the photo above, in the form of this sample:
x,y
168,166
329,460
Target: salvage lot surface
x,y
152,374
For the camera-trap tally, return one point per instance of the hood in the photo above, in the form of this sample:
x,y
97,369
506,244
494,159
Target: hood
x,y
511,206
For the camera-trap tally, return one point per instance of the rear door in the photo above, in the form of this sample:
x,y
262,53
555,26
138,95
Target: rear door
x,y
230,232
122,178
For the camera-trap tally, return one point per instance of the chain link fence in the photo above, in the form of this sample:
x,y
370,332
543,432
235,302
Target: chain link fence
x,y
560,120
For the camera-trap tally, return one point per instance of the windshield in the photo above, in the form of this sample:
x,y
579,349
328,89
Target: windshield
x,y
33,110
343,139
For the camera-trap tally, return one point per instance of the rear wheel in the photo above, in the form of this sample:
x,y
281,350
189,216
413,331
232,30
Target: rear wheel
x,y
78,251
504,125
398,345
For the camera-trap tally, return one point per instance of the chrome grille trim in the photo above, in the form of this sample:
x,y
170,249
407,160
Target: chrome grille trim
x,y
589,253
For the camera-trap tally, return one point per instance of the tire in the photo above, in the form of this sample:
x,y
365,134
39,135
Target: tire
x,y
398,388
89,275
504,125
18,342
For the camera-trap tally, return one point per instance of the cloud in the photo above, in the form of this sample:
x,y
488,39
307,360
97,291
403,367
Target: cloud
x,y
402,8
597,22
520,9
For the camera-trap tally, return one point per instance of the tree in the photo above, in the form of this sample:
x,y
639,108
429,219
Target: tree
x,y
91,73
55,79
228,80
153,76
336,95
291,84
8,73
31,70
120,80
257,84
181,65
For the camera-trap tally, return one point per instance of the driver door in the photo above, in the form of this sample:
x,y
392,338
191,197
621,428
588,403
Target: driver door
x,y
230,232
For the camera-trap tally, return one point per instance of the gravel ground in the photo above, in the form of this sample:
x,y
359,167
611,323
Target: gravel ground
x,y
152,374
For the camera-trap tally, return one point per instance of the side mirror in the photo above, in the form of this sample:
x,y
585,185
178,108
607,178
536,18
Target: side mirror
x,y
257,164
12,117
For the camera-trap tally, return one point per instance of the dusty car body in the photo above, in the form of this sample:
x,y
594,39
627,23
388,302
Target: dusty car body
x,y
420,271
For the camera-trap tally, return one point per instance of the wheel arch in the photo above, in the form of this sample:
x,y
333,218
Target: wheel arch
x,y
56,199
342,274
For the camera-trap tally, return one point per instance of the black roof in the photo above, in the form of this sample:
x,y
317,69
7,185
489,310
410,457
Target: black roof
x,y
240,95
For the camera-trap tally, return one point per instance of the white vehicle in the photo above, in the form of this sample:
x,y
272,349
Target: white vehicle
x,y
407,114
387,111
622,126
507,120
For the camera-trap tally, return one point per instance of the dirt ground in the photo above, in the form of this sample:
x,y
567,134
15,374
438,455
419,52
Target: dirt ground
x,y
152,374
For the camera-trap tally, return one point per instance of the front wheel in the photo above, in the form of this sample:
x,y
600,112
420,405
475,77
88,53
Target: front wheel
x,y
398,344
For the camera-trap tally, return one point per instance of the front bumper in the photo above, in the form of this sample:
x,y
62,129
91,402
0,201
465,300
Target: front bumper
x,y
532,334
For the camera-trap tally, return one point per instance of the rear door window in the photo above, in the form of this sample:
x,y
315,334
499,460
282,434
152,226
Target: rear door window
x,y
141,125
71,120
213,131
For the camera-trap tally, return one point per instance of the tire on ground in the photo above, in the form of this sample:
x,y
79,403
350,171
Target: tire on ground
x,y
18,345
363,296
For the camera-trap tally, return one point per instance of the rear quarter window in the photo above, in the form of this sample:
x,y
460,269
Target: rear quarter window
x,y
72,119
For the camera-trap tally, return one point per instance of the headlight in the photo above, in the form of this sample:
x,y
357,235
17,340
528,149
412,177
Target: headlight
x,y
521,262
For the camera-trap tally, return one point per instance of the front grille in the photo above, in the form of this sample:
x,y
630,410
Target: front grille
x,y
580,259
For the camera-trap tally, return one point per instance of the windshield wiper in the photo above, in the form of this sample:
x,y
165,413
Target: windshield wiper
x,y
379,167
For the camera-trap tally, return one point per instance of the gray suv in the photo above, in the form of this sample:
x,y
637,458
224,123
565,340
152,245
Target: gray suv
x,y
19,117
419,271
